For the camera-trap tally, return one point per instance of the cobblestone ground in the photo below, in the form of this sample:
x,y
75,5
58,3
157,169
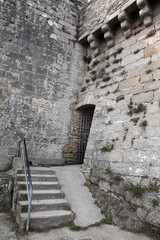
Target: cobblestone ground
x,y
104,232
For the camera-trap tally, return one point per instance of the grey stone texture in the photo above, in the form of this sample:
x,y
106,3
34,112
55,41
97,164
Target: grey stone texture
x,y
6,190
102,232
49,207
44,80
127,110
40,75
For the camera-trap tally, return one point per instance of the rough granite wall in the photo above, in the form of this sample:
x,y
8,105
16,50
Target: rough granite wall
x,y
40,74
122,160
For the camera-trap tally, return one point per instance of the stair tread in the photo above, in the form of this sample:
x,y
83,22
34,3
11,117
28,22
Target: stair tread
x,y
40,191
47,214
37,175
41,168
37,170
44,201
39,183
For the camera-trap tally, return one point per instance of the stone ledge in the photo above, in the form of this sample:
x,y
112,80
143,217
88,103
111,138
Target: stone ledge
x,y
129,7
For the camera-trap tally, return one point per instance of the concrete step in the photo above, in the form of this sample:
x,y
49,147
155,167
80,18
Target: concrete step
x,y
40,194
39,185
37,177
47,219
43,205
37,171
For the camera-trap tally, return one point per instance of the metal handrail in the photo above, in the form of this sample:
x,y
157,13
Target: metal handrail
x,y
22,151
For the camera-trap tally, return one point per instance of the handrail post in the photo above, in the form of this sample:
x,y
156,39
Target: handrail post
x,y
27,176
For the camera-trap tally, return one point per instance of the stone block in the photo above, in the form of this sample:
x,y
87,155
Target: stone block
x,y
128,196
141,3
123,145
153,119
139,46
152,132
103,185
132,90
91,38
97,172
141,143
154,217
96,52
108,35
94,45
125,24
132,58
157,25
154,171
17,163
156,74
151,50
153,108
126,52
146,78
145,11
134,132
151,86
143,97
128,33
139,62
136,72
94,180
147,21
123,16
129,83
110,43
157,95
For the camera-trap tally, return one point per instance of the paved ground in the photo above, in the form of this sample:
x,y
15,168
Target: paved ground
x,y
104,232
6,226
79,197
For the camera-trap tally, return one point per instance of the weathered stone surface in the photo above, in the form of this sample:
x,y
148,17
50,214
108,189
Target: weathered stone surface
x,y
40,78
141,213
6,190
103,185
45,73
151,50
125,24
154,217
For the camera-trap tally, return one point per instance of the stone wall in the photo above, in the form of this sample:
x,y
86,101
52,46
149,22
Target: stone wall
x,y
40,74
123,79
46,75
96,11
6,190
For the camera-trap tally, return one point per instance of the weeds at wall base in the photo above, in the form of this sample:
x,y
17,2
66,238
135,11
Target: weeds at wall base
x,y
106,220
149,230
75,228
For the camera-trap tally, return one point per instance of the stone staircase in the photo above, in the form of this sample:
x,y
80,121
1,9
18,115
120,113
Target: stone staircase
x,y
49,207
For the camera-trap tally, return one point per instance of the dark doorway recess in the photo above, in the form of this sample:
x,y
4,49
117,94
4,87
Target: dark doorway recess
x,y
84,125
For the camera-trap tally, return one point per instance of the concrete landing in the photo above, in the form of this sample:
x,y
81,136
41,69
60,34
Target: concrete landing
x,y
82,204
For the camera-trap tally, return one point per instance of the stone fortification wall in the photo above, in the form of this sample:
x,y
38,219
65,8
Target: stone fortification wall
x,y
122,160
40,74
96,11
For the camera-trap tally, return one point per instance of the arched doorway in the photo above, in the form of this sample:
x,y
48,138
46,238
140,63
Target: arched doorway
x,y
84,124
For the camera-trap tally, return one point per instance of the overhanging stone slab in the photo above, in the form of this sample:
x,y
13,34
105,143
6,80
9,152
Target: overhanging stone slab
x,y
83,39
